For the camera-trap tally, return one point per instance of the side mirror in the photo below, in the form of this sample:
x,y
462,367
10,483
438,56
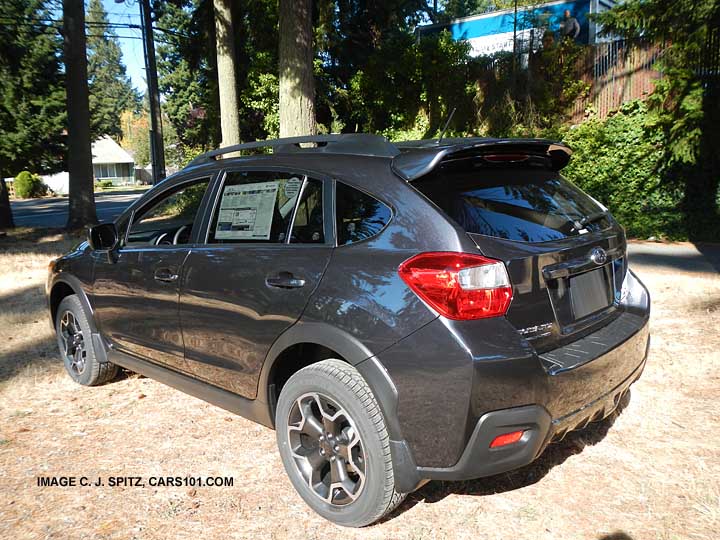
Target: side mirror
x,y
103,237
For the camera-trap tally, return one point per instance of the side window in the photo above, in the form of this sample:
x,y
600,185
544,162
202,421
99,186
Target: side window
x,y
359,216
308,223
255,207
169,220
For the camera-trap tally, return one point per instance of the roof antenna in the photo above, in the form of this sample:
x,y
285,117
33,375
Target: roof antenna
x,y
442,133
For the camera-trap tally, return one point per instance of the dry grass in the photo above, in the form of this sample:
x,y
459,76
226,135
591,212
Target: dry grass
x,y
651,473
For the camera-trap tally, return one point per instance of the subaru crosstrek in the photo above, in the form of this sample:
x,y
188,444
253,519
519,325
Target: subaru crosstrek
x,y
398,313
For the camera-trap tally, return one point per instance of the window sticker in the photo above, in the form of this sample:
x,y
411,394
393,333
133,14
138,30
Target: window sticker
x,y
292,187
246,211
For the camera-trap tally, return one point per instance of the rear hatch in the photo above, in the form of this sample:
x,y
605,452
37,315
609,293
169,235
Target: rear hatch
x,y
565,254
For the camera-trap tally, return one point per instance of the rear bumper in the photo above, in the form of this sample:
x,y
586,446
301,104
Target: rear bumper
x,y
453,404
479,460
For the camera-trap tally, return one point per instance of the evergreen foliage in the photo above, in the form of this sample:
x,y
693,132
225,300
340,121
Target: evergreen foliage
x,y
111,91
619,161
32,93
186,71
654,163
684,106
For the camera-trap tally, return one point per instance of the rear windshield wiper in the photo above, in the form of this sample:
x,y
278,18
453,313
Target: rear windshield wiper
x,y
580,224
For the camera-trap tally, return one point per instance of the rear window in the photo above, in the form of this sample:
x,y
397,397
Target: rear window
x,y
528,205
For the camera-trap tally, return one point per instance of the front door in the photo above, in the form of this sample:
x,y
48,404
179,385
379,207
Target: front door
x,y
135,290
264,255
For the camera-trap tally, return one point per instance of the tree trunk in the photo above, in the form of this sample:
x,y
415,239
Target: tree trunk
x,y
227,82
82,196
297,85
6,217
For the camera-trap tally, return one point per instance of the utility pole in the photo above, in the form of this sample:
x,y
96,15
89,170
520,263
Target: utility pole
x,y
157,150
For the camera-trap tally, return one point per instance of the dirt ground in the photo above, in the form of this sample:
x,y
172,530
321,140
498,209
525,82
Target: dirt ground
x,y
651,472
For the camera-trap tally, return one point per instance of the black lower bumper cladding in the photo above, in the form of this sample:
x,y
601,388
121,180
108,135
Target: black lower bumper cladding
x,y
479,460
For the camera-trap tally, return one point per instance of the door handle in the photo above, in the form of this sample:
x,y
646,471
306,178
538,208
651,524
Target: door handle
x,y
284,280
166,275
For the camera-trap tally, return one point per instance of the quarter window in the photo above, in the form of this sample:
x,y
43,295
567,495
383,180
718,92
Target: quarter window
x,y
359,215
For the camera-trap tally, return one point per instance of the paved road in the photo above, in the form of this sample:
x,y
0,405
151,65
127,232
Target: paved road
x,y
53,212
680,256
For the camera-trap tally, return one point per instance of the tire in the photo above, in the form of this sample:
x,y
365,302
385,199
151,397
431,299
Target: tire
x,y
357,444
76,347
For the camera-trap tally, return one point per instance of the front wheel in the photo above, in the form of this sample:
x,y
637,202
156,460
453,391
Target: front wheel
x,y
76,347
334,444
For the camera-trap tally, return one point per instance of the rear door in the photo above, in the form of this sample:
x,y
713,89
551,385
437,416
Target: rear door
x,y
268,243
564,252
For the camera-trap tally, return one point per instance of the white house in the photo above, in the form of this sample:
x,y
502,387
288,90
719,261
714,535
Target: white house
x,y
111,162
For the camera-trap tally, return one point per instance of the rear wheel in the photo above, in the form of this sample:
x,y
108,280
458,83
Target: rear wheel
x,y
76,346
334,444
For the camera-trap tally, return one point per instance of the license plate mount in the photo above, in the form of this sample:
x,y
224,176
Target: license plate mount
x,y
591,291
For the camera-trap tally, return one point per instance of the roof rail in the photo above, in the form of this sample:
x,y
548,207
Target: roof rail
x,y
352,143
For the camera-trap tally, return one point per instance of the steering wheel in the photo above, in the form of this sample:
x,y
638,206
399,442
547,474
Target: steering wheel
x,y
161,241
178,233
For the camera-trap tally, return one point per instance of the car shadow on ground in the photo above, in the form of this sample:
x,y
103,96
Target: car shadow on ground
x,y
554,454
618,535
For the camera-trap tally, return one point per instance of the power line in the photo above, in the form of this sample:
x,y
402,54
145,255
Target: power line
x,y
57,24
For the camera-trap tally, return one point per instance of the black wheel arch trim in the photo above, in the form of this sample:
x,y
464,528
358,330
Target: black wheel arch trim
x,y
352,351
99,345
77,288
407,478
317,333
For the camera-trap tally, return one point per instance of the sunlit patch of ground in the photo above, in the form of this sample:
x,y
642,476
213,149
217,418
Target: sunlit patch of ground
x,y
652,472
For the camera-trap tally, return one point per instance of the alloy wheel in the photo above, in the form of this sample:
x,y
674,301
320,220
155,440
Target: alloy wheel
x,y
326,449
73,342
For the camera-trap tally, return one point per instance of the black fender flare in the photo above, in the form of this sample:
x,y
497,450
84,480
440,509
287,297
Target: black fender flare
x,y
74,283
358,355
346,345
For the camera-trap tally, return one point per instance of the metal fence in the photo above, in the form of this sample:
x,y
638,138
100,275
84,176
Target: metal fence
x,y
617,72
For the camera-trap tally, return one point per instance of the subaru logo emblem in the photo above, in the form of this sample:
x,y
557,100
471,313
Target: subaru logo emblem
x,y
598,256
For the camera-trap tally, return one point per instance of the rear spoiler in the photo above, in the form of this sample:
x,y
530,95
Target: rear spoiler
x,y
418,158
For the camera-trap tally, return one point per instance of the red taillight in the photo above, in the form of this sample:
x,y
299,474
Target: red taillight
x,y
506,438
459,285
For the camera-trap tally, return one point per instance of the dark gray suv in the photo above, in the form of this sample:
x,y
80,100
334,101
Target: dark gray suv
x,y
397,312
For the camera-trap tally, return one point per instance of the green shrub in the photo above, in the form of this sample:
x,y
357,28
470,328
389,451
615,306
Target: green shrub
x,y
620,162
29,186
103,184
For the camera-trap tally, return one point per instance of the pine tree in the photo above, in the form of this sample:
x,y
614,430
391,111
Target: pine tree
x,y
187,71
227,80
32,94
297,83
111,91
81,201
